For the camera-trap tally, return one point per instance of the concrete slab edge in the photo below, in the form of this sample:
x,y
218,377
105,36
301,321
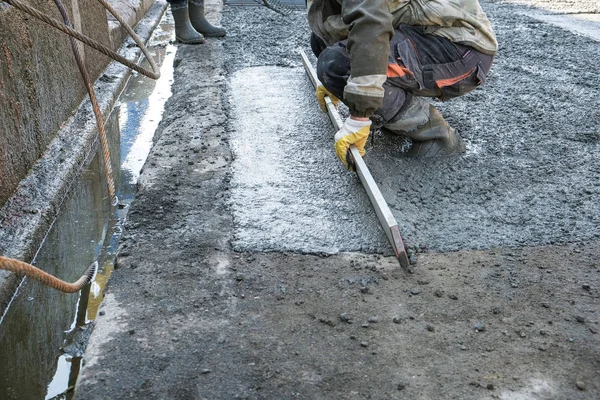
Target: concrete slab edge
x,y
28,214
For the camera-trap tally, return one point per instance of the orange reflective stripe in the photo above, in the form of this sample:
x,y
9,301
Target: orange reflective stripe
x,y
451,81
395,71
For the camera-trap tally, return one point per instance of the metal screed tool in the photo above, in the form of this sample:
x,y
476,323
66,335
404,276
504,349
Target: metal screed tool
x,y
385,216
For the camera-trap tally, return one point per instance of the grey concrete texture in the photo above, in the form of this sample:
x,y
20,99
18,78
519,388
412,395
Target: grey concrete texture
x,y
530,175
199,309
28,213
559,6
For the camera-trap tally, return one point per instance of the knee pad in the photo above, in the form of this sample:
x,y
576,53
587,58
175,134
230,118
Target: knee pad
x,y
333,69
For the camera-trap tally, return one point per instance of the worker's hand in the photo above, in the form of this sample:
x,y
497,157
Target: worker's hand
x,y
353,132
321,93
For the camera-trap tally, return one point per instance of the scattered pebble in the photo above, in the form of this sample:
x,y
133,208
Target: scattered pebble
x,y
401,386
586,286
490,386
373,320
364,344
545,305
205,371
580,319
398,320
453,296
101,313
345,318
479,326
496,310
438,293
415,291
131,331
430,328
580,385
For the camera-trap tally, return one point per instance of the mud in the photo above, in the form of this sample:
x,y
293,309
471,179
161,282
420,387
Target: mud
x,y
208,303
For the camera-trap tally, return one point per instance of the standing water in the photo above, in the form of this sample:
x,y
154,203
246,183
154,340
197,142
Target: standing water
x,y
44,332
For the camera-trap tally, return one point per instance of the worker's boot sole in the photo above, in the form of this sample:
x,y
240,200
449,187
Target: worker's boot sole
x,y
190,41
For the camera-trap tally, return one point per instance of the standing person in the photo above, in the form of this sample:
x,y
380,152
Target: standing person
x,y
191,25
383,57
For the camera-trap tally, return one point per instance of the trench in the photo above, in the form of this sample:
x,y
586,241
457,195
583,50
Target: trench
x,y
43,333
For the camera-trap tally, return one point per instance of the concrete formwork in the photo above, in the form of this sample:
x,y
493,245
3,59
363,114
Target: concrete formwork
x,y
47,129
40,85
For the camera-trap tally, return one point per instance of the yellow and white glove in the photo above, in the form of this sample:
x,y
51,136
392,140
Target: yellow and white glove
x,y
353,132
321,93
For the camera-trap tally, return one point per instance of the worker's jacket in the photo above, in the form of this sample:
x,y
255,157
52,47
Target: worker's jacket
x,y
369,26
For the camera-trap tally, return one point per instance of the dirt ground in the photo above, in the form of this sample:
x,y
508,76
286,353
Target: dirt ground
x,y
192,312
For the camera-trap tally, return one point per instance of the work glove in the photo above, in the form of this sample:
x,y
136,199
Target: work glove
x,y
321,93
353,132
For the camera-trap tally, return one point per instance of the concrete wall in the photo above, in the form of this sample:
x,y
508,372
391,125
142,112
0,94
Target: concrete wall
x,y
47,129
40,85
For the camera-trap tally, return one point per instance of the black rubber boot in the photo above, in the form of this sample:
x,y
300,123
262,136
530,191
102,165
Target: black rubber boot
x,y
200,23
184,31
430,133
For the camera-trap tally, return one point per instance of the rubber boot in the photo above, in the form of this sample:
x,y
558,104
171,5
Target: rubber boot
x,y
430,133
200,23
184,31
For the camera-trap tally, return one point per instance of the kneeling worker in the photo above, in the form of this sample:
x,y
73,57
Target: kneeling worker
x,y
383,57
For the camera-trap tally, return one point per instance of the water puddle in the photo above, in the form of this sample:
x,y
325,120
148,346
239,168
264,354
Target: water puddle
x,y
44,332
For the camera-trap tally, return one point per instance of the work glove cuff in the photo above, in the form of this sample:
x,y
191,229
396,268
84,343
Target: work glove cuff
x,y
351,126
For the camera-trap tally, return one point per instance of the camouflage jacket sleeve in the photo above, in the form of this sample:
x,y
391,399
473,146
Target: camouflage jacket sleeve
x,y
370,31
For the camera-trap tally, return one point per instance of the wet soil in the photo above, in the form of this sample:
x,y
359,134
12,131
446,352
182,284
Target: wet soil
x,y
193,312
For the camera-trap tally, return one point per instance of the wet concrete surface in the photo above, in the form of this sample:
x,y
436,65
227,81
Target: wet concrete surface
x,y
287,192
189,315
529,176
33,329
584,24
44,333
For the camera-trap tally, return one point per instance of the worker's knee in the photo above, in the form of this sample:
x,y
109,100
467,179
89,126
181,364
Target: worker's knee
x,y
333,69
317,45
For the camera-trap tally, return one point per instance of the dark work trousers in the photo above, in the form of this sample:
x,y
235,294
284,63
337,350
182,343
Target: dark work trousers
x,y
419,64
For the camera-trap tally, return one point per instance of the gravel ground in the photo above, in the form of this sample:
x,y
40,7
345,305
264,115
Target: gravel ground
x,y
197,310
